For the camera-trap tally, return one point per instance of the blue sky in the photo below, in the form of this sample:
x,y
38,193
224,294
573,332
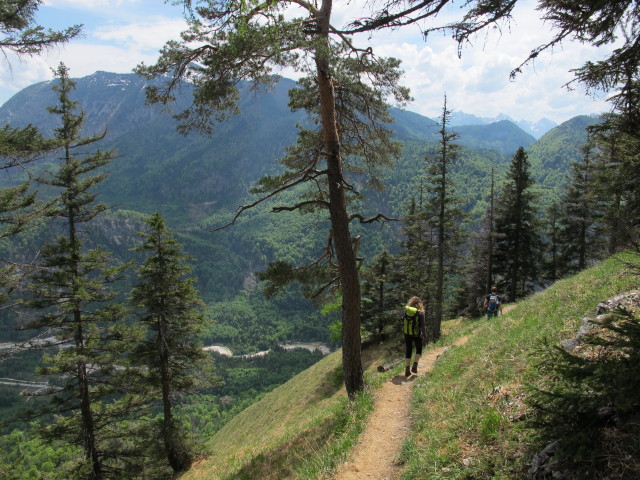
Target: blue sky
x,y
119,34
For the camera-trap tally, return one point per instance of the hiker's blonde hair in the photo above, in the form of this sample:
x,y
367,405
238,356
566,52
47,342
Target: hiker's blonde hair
x,y
415,302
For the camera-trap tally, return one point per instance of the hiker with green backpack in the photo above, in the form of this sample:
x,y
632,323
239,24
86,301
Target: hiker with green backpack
x,y
414,329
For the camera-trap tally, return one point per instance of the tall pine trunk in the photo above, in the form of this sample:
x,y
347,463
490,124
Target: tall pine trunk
x,y
491,221
350,285
441,246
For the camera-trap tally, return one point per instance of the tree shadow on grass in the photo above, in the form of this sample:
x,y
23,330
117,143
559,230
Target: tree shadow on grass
x,y
330,384
281,462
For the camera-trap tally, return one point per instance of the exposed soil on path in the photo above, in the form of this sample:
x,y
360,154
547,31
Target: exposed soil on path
x,y
376,454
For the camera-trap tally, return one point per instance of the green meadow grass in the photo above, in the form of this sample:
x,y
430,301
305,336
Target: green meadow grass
x,y
302,429
468,411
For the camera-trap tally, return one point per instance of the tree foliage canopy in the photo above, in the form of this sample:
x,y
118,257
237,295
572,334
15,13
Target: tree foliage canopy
x,y
22,35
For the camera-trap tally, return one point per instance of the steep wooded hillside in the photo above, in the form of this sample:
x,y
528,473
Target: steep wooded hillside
x,y
551,156
198,181
468,413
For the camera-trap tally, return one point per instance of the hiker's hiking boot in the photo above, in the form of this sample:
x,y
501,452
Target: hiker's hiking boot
x,y
407,372
414,369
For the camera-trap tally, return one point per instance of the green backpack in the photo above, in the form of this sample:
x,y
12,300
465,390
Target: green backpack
x,y
411,322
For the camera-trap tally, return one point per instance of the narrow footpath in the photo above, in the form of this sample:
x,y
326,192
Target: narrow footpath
x,y
378,449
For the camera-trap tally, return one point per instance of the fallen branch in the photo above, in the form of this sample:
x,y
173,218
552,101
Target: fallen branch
x,y
389,366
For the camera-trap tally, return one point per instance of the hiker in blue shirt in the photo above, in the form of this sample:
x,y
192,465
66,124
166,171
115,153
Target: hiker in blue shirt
x,y
414,329
493,303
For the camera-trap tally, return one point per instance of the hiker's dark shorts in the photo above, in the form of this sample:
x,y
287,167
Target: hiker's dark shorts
x,y
409,340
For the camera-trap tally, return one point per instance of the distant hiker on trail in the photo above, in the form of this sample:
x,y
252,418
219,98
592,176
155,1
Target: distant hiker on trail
x,y
493,303
414,329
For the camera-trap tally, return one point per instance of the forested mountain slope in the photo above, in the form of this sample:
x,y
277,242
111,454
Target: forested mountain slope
x,y
194,176
551,156
207,172
471,407
198,181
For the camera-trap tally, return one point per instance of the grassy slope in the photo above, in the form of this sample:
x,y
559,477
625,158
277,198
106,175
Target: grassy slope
x,y
466,411
297,431
469,410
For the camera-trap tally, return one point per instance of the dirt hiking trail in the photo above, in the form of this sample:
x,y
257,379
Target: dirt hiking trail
x,y
376,454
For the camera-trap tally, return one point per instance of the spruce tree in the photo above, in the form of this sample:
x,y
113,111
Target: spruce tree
x,y
19,206
609,182
415,265
72,296
446,213
380,301
490,234
616,167
517,242
478,275
18,146
579,237
551,266
173,358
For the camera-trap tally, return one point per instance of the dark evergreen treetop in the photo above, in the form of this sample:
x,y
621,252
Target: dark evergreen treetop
x,y
22,35
73,298
517,229
171,354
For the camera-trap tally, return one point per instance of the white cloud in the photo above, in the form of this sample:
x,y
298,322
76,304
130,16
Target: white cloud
x,y
88,4
479,82
16,73
123,33
128,46
142,36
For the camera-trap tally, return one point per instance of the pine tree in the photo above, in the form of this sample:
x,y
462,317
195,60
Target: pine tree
x,y
444,208
517,233
171,309
72,296
379,300
345,91
416,262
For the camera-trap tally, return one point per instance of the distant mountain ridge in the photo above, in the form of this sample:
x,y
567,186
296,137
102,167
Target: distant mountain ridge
x,y
116,102
198,181
534,128
211,172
